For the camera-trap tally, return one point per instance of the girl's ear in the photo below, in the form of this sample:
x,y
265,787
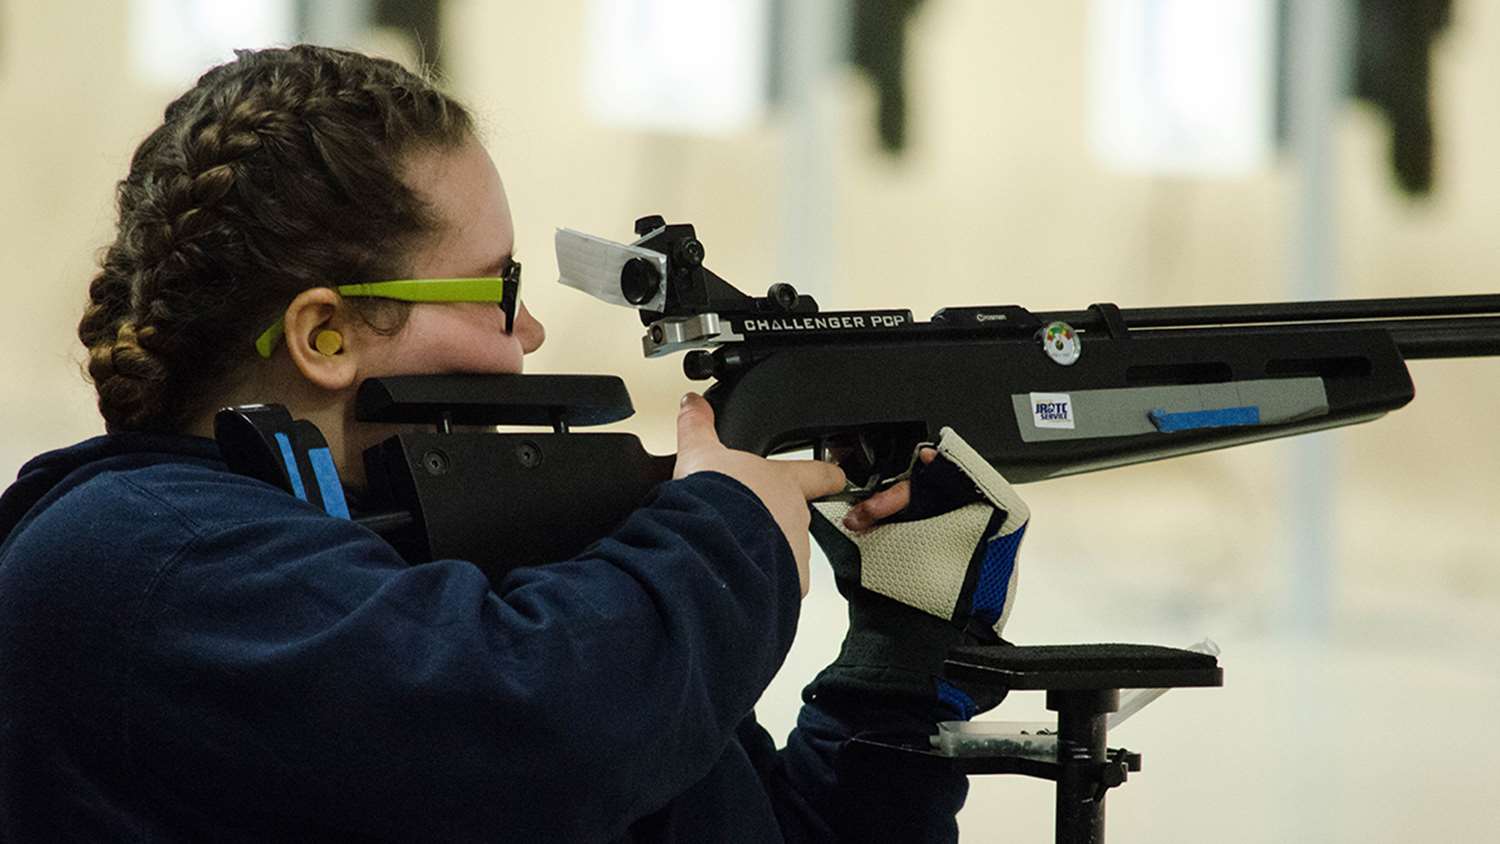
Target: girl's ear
x,y
322,340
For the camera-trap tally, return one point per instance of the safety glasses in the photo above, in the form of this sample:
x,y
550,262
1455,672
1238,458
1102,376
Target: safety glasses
x,y
504,290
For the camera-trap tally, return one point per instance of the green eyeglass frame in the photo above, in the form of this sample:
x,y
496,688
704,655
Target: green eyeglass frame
x,y
504,290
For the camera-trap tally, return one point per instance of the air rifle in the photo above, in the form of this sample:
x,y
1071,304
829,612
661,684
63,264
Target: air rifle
x,y
1038,394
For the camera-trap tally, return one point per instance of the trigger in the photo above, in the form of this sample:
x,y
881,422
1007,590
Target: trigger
x,y
852,453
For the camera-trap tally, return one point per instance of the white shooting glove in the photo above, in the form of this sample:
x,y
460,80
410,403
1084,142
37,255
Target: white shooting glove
x,y
939,574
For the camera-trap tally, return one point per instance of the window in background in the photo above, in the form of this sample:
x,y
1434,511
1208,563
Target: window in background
x,y
1183,86
173,41
678,65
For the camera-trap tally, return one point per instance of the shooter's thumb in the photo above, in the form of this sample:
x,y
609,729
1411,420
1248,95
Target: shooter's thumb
x,y
695,425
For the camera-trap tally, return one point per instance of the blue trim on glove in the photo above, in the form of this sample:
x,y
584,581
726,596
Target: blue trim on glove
x,y
954,698
994,577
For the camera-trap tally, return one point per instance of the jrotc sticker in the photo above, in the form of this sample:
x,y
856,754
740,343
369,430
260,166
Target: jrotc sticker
x,y
1061,343
1052,410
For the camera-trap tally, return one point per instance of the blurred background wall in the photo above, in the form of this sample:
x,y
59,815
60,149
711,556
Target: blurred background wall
x,y
1360,685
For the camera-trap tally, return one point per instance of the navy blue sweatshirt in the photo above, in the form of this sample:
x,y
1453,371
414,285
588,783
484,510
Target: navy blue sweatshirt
x,y
187,653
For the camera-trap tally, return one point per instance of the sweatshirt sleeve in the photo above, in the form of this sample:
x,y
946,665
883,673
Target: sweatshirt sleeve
x,y
879,799
396,701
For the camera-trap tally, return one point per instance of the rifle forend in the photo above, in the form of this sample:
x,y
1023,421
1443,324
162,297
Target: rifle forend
x,y
1038,394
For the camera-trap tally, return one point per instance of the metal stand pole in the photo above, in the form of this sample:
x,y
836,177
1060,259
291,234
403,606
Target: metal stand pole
x,y
1081,749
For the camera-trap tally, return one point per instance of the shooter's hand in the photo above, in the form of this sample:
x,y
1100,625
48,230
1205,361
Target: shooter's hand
x,y
935,569
784,486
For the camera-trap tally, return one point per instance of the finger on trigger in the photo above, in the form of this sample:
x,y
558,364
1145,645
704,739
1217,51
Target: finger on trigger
x,y
817,478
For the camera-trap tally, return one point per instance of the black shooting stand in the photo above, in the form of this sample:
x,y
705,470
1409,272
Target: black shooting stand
x,y
1083,684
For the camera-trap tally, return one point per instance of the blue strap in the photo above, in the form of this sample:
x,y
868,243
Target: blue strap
x,y
290,459
328,482
1225,417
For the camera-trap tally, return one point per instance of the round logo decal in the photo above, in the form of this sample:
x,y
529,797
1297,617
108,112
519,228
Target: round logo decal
x,y
1061,343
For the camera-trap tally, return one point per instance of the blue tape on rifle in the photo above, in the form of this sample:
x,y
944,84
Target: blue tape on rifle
x,y
1227,417
328,482
290,460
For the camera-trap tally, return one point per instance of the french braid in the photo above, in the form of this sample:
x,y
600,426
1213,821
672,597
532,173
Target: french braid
x,y
278,172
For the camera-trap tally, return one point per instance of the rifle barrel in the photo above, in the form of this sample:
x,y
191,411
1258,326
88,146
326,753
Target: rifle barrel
x,y
1423,327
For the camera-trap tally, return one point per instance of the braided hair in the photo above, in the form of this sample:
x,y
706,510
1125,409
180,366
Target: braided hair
x,y
278,172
